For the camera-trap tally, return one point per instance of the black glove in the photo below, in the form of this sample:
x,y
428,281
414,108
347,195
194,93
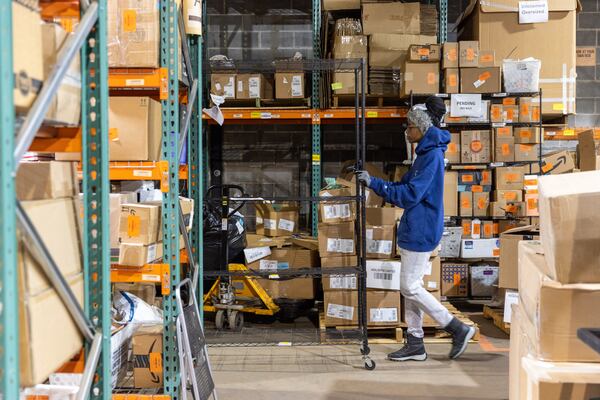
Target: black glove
x,y
364,177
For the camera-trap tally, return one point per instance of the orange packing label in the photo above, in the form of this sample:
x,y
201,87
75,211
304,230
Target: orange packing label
x,y
456,278
155,361
511,177
477,189
423,51
452,148
470,54
67,24
531,191
452,80
496,111
431,78
476,229
476,146
486,58
481,204
496,252
485,76
467,178
536,114
485,176
509,101
525,133
129,20
530,182
134,223
510,114
488,229
524,108
113,134
532,204
505,149
465,203
496,228
452,54
466,225
503,132
510,196
547,167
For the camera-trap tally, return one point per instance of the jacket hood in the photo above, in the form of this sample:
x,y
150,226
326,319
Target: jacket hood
x,y
434,138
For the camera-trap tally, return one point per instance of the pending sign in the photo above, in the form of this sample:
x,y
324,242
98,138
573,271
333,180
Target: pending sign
x,y
465,105
531,12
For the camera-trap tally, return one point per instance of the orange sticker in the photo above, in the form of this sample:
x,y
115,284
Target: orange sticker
x,y
452,54
531,191
525,148
509,101
503,132
431,78
467,178
129,20
67,24
525,133
536,114
134,223
476,229
113,134
496,111
485,76
485,177
510,114
452,148
511,177
486,58
452,80
477,189
488,229
481,203
532,204
496,228
505,149
476,146
547,167
465,202
524,108
423,51
470,54
496,252
530,182
456,278
510,196
155,361
466,225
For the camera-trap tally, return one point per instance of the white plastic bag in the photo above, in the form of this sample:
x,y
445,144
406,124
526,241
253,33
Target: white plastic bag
x,y
521,76
128,308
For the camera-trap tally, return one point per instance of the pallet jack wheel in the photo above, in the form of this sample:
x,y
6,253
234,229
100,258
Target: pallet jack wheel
x,y
236,321
369,364
220,319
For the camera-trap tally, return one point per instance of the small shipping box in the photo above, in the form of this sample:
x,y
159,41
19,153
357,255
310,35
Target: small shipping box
x,y
509,254
421,78
527,135
380,241
529,109
496,112
432,277
378,216
466,204
512,209
510,113
293,289
468,54
388,50
28,64
341,308
289,85
383,274
223,84
481,202
453,152
450,193
276,219
287,258
480,80
527,152
138,255
134,129
133,33
505,149
480,248
532,205
569,225
559,162
339,261
46,180
487,229
509,178
555,310
338,211
455,279
424,52
139,223
487,58
450,242
252,86
450,55
587,154
147,345
475,146
451,80
339,282
336,239
484,280
507,195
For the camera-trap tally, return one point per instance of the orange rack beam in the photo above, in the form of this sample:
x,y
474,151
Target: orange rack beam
x,y
307,115
141,397
149,273
139,170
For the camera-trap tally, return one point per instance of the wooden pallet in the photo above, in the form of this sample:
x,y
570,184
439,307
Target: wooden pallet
x,y
267,103
347,100
497,316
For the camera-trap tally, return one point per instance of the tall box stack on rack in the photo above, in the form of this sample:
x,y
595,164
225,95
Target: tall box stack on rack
x,y
558,277
348,43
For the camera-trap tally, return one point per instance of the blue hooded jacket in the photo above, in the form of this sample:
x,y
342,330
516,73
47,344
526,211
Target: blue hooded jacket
x,y
420,193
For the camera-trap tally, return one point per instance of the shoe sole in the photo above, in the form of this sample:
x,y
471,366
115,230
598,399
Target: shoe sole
x,y
468,337
420,357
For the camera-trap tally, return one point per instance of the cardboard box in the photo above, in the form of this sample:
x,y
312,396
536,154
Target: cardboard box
x,y
354,46
378,216
527,152
339,261
450,242
287,258
294,289
421,78
391,18
481,202
475,146
480,80
383,274
453,152
145,291
380,241
505,149
276,219
139,223
341,308
192,17
468,54
527,135
137,254
135,129
332,5
336,239
338,211
450,55
466,230
496,26
251,254
546,302
587,154
451,80
507,195
432,278
252,86
147,345
424,52
486,177
509,178
289,85
487,229
569,222
529,109
450,193
65,106
502,209
46,180
559,162
510,113
455,279
487,58
223,84
391,50
496,112
339,282
466,204
133,35
484,280
28,65
531,205
503,132
480,248
343,82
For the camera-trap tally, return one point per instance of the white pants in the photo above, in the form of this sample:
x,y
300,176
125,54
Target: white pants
x,y
416,298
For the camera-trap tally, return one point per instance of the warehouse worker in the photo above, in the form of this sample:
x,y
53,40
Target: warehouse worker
x,y
420,193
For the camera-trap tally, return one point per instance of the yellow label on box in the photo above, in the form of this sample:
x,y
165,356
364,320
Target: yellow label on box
x,y
337,86
155,361
569,132
129,20
557,106
113,134
372,114
134,223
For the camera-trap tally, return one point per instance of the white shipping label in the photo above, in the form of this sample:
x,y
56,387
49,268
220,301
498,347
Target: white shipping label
x,y
254,87
429,268
151,278
465,105
256,253
340,245
224,223
531,12
478,83
432,285
239,227
336,211
268,265
259,220
286,225
379,246
151,253
511,297
240,86
296,86
369,233
229,89
342,282
383,315
142,173
270,223
340,311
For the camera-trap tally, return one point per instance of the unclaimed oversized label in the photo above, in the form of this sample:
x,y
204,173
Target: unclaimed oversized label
x,y
533,11
340,311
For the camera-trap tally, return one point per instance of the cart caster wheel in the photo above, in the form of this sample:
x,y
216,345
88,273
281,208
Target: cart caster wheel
x,y
370,364
236,321
365,351
220,319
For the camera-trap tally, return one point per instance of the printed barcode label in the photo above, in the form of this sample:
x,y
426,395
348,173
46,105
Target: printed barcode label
x,y
379,246
142,173
134,82
336,211
256,253
151,278
286,225
296,86
270,224
429,268
432,285
342,282
151,253
340,245
259,220
254,87
340,311
268,265
383,315
383,276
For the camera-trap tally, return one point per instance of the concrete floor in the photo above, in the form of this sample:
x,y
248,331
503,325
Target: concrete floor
x,y
336,372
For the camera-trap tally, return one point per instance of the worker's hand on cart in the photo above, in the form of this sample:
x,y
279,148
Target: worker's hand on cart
x,y
364,177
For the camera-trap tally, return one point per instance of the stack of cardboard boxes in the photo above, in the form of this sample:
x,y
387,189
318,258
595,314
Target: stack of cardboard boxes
x,y
467,69
559,287
347,47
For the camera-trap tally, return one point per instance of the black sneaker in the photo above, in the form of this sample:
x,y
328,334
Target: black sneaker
x,y
413,350
461,334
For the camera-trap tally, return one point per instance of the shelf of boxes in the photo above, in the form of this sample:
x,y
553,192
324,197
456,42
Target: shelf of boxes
x,y
308,115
